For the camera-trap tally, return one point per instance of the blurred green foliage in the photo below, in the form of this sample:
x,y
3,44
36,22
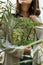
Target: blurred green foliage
x,y
18,31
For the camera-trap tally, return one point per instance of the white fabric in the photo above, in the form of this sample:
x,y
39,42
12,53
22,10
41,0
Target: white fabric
x,y
12,52
39,55
39,31
12,49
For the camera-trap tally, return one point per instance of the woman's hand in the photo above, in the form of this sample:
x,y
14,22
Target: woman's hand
x,y
27,50
34,18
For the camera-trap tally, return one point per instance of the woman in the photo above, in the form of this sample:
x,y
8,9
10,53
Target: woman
x,y
25,8
29,9
13,53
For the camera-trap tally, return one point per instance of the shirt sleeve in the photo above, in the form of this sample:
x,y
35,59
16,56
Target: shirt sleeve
x,y
40,56
17,51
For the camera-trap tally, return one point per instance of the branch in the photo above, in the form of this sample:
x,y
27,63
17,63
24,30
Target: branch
x,y
36,42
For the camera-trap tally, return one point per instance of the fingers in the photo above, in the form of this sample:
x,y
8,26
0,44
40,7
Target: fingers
x,y
27,50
